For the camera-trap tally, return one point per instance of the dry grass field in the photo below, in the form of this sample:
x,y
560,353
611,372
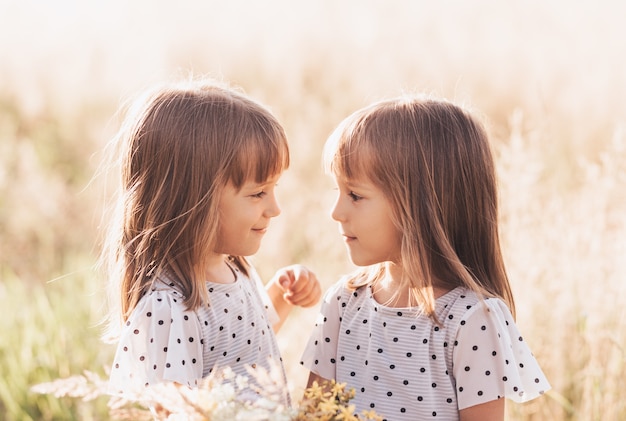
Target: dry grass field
x,y
548,78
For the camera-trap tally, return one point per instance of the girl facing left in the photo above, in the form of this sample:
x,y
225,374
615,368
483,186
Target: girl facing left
x,y
199,166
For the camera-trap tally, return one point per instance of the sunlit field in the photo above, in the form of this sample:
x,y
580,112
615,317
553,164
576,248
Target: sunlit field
x,y
547,78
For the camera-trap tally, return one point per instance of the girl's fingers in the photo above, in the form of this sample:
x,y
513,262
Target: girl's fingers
x,y
308,295
300,286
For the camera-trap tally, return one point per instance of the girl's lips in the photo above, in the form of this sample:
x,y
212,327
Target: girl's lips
x,y
259,230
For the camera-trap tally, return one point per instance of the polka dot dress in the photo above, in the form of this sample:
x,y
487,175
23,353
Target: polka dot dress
x,y
162,341
405,367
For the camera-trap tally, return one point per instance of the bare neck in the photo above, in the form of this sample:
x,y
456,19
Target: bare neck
x,y
394,290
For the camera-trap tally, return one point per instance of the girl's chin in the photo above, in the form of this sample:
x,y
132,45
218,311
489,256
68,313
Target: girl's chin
x,y
359,261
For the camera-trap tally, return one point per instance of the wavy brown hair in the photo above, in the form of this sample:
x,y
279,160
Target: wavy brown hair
x,y
179,146
433,161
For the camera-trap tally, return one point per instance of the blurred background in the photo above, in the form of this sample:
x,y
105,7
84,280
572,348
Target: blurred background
x,y
547,77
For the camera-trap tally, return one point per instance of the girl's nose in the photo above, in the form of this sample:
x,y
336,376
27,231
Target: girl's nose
x,y
336,211
273,209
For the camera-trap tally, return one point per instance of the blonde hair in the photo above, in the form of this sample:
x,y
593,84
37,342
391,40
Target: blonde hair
x,y
179,146
433,161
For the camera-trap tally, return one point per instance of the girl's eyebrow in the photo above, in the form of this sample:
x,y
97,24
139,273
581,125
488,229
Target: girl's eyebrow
x,y
255,185
359,185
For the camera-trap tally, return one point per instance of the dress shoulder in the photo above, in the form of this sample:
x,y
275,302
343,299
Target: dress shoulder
x,y
321,350
491,360
161,341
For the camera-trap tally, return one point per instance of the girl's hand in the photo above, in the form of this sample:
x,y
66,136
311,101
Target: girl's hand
x,y
299,285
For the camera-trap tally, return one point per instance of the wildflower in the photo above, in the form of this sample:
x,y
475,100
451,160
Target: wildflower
x,y
345,412
222,396
371,415
314,392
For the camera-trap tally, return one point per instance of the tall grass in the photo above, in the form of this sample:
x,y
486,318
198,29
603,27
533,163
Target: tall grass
x,y
547,77
49,331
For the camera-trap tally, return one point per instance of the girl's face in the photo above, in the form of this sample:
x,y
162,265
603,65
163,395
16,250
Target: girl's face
x,y
365,218
245,216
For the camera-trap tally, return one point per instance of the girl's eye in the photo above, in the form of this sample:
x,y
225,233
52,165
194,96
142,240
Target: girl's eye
x,y
258,195
355,197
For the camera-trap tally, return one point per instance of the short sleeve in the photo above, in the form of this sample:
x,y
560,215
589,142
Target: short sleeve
x,y
491,360
320,353
161,341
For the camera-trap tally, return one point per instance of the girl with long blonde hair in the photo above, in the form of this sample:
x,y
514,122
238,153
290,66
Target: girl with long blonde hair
x,y
199,166
425,330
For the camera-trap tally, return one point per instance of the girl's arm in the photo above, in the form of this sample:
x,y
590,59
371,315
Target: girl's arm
x,y
315,378
488,411
292,285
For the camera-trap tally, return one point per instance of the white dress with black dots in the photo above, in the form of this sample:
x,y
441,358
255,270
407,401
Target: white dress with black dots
x,y
405,367
162,341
